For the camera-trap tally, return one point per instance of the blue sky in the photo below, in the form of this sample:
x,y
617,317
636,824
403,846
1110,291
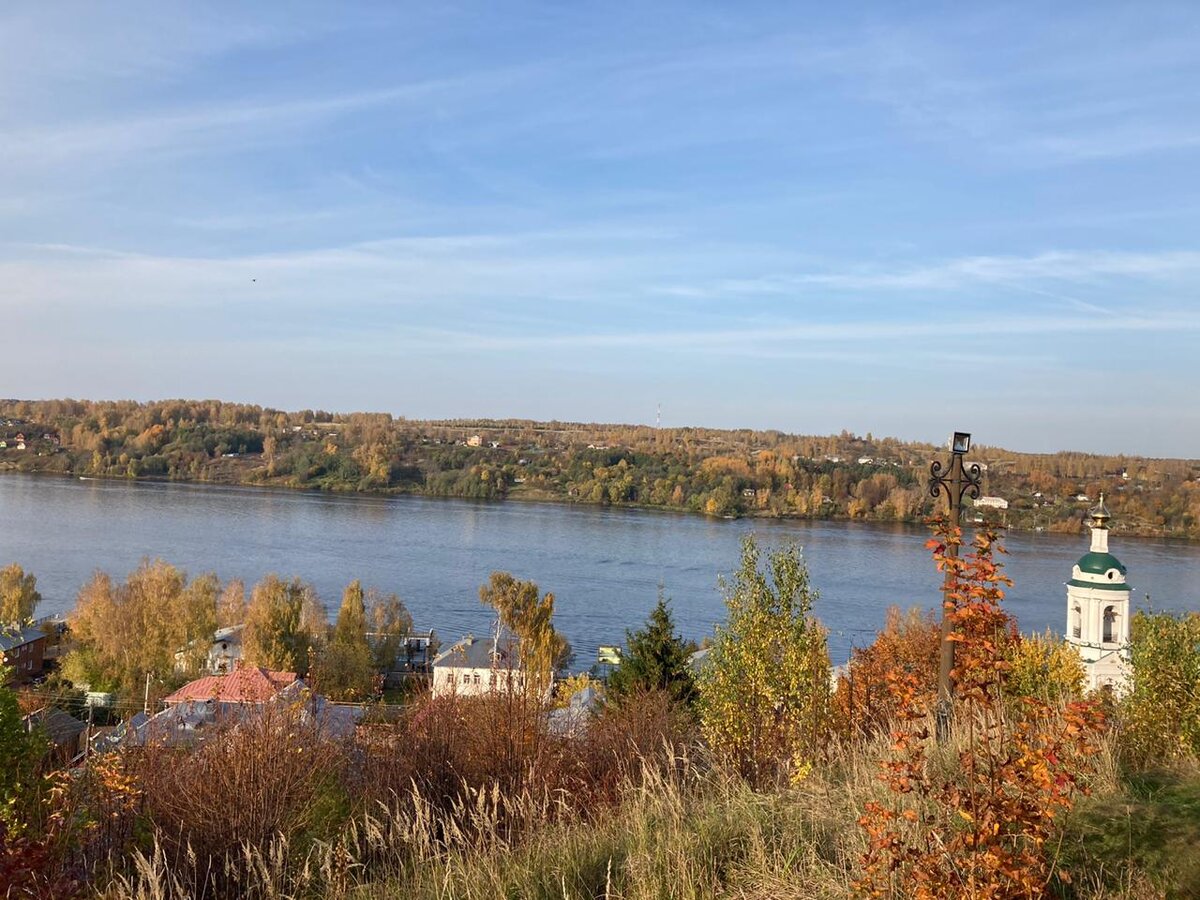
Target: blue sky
x,y
896,218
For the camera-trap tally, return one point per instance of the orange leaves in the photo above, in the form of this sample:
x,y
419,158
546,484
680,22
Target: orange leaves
x,y
982,828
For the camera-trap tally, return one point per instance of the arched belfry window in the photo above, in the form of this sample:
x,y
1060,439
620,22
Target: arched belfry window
x,y
1110,624
1076,619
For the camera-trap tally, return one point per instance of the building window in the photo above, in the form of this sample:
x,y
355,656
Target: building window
x,y
1110,625
477,678
1076,619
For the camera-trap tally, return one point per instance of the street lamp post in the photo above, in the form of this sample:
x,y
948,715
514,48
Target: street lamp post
x,y
956,481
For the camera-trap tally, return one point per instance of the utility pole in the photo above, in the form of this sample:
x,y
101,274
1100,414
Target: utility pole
x,y
146,702
955,482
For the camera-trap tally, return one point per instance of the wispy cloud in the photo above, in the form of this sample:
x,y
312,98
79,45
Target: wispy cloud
x,y
199,129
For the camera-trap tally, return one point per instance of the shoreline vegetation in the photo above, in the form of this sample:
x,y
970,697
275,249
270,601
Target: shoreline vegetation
x,y
758,773
714,472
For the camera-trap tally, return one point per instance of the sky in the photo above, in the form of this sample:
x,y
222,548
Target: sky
x,y
894,218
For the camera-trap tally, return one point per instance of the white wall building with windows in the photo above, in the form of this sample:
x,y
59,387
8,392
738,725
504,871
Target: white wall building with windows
x,y
1098,611
476,666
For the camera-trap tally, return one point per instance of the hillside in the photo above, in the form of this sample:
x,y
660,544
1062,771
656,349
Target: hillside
x,y
711,471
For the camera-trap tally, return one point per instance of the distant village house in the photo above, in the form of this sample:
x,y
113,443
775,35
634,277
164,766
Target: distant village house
x,y
475,667
993,502
24,651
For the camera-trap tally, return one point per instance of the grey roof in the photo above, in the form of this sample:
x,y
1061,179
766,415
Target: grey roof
x,y
59,726
474,653
10,640
231,633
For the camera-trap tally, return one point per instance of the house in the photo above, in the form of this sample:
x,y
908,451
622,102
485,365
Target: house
x,y
244,685
211,701
570,719
475,667
474,441
993,502
224,652
24,650
699,659
66,733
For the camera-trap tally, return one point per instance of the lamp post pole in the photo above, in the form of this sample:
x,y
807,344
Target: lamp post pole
x,y
956,481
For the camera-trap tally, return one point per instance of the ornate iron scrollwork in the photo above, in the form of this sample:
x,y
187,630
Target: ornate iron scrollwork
x,y
941,478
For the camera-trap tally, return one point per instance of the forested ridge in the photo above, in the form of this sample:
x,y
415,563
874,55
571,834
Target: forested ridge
x,y
711,471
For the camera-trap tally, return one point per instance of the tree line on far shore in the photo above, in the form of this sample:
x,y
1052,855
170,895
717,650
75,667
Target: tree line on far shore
x,y
710,471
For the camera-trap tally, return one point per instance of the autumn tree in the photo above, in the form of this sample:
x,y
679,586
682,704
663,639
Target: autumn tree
x,y
528,614
1043,666
231,606
983,819
764,690
156,622
345,666
284,623
908,645
655,658
19,596
1161,712
390,622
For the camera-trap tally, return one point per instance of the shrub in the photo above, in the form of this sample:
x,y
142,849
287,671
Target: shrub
x,y
1161,713
1043,667
907,645
764,691
274,773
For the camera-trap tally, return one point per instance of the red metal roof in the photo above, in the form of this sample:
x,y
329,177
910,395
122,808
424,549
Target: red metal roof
x,y
245,685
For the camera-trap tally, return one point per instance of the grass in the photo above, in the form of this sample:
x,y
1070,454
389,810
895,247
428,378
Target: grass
x,y
1149,829
672,825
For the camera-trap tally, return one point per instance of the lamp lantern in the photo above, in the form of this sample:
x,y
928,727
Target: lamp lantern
x,y
961,442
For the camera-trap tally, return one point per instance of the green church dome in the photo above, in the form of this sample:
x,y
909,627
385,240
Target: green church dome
x,y
1099,563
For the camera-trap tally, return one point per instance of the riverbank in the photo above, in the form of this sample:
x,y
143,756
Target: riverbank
x,y
1017,522
715,473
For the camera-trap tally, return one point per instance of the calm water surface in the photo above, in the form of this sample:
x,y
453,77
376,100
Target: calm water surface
x,y
604,566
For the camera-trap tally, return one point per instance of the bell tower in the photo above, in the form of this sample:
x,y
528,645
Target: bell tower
x,y
1098,610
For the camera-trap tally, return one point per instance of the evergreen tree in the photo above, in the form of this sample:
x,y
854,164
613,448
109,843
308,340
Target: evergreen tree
x,y
656,658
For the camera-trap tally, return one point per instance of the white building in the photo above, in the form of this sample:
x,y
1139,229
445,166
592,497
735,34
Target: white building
x,y
1098,610
474,666
226,650
993,502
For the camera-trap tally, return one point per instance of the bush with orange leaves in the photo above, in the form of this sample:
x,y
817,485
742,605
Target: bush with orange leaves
x,y
979,820
908,645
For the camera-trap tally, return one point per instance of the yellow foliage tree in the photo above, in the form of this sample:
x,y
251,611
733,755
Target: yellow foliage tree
x,y
19,595
1043,667
765,690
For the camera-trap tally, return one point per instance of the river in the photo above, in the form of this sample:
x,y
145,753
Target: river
x,y
603,565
